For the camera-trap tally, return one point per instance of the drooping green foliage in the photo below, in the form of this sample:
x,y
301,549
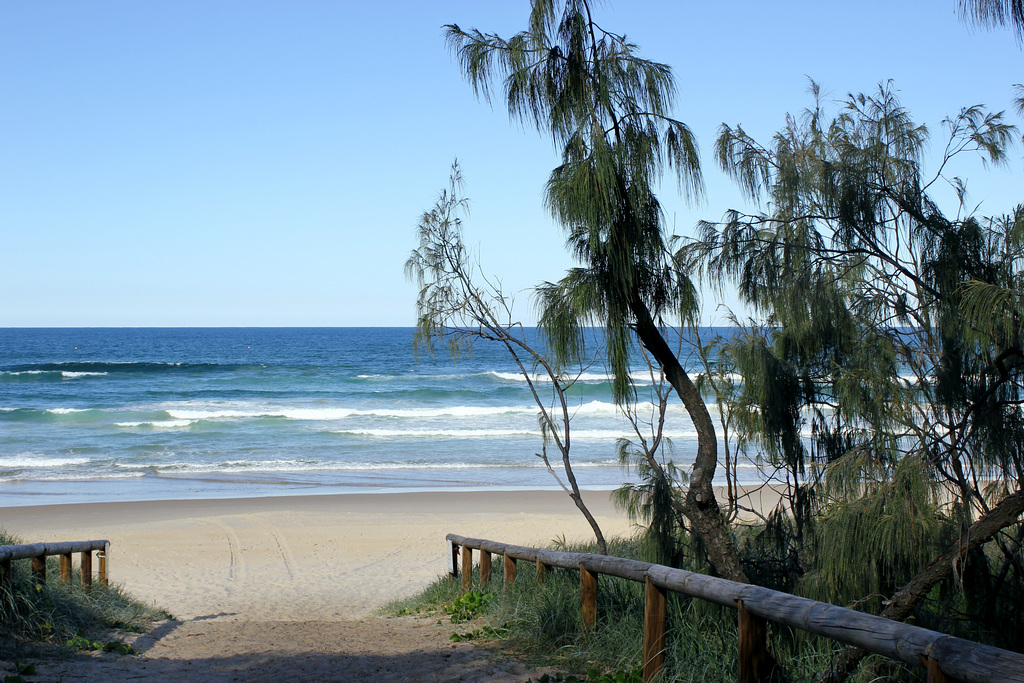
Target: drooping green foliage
x,y
991,13
649,503
608,111
885,375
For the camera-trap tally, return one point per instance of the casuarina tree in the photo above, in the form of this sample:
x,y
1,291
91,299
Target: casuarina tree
x,y
893,346
608,111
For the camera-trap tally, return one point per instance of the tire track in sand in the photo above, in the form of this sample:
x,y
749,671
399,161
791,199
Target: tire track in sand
x,y
282,546
236,566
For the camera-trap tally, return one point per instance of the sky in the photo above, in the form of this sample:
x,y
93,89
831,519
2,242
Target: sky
x,y
265,163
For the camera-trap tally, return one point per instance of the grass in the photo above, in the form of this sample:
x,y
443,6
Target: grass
x,y
541,624
40,617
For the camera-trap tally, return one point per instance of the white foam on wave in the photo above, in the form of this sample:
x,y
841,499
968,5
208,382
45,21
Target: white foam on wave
x,y
66,411
589,434
32,460
435,433
77,476
257,466
66,374
625,434
590,408
584,377
321,414
420,377
596,408
157,424
733,377
447,411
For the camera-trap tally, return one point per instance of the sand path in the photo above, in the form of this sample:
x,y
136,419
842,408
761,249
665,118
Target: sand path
x,y
373,649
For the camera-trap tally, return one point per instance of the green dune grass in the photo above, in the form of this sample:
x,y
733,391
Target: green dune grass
x,y
55,615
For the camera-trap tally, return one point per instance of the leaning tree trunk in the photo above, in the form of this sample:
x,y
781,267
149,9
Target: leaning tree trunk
x,y
700,504
903,602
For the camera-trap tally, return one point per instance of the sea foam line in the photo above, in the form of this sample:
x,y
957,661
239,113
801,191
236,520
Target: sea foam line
x,y
66,374
28,460
314,414
254,467
157,424
498,433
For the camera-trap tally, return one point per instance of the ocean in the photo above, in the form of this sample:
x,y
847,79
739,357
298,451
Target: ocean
x,y
104,414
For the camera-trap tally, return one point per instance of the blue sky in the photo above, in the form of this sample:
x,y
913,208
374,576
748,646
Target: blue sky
x,y
264,163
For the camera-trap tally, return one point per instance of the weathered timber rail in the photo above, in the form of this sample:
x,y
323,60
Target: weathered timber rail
x,y
38,552
945,657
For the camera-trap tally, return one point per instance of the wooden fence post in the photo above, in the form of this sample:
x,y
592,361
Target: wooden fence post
x,y
510,569
102,556
755,662
542,572
588,597
935,674
39,569
453,565
65,568
467,567
87,570
654,629
485,567
5,572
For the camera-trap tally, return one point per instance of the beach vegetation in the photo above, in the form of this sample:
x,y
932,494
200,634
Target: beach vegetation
x,y
55,614
541,623
608,111
883,374
468,605
994,13
457,305
876,375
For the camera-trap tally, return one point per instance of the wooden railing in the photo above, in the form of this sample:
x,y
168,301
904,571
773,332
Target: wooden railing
x,y
945,657
38,552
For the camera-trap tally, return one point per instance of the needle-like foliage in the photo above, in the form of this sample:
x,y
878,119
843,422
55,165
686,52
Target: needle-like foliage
x,y
992,13
608,111
888,375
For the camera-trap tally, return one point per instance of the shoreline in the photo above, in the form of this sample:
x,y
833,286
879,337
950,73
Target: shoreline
x,y
45,493
153,487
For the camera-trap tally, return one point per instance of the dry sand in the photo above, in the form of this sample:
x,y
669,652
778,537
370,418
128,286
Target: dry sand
x,y
287,588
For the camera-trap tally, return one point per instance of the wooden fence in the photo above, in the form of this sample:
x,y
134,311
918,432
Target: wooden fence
x,y
38,552
945,657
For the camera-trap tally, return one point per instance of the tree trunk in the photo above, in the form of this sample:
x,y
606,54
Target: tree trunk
x,y
602,545
700,505
903,602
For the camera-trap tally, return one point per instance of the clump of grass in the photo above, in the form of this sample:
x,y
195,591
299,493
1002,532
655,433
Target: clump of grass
x,y
34,615
542,624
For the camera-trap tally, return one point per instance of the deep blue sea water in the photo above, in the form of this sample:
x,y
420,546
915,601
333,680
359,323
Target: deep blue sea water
x,y
133,414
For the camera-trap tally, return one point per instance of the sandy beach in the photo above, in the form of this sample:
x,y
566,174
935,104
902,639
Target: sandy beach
x,y
323,557
265,588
